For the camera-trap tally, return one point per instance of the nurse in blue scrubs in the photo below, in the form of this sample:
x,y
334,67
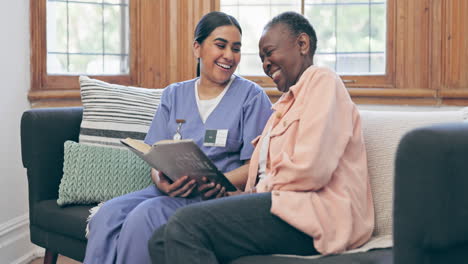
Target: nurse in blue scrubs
x,y
220,111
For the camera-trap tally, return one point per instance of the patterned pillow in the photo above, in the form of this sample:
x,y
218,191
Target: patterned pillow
x,y
112,112
93,174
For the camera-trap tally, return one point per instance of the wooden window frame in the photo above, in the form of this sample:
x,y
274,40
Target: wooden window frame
x,y
426,53
60,86
161,37
386,80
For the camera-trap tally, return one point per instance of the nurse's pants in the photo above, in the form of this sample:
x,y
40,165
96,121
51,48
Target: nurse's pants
x,y
120,230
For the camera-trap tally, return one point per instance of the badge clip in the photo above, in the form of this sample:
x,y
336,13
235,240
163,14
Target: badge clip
x,y
178,135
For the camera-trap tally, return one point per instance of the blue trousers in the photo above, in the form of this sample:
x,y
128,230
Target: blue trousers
x,y
121,229
221,230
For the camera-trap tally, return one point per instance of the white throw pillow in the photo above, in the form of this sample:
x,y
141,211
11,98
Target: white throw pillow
x,y
112,112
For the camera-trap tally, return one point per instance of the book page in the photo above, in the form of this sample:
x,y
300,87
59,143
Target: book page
x,y
137,144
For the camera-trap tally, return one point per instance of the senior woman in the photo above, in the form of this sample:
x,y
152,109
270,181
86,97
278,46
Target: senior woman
x,y
308,189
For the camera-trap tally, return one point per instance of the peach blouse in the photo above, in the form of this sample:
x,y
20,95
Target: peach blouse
x,y
316,163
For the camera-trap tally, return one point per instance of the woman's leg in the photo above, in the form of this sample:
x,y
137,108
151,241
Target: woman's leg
x,y
141,222
106,224
225,229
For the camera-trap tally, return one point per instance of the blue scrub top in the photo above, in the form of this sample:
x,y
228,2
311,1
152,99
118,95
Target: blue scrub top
x,y
243,111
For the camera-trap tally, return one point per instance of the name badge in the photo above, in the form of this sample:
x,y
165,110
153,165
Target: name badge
x,y
215,137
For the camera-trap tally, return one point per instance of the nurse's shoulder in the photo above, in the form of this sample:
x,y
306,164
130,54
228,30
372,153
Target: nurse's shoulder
x,y
179,88
251,89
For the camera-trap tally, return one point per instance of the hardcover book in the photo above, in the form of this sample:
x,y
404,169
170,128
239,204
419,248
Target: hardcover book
x,y
177,158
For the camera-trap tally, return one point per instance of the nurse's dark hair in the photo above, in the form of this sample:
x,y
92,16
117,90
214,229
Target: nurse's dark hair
x,y
210,22
296,24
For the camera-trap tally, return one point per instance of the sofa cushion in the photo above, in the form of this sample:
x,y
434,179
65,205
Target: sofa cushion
x,y
112,112
94,174
69,221
379,256
382,132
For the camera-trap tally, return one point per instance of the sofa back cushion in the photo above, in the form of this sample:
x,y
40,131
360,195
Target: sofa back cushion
x,y
112,112
382,133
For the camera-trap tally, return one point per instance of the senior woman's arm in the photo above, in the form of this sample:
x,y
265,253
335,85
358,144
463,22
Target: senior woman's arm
x,y
325,128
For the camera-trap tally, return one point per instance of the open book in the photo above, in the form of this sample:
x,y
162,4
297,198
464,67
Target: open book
x,y
177,158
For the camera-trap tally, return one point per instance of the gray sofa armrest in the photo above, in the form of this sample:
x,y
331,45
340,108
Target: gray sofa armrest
x,y
43,132
431,196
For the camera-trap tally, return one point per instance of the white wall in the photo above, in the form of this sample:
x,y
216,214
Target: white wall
x,y
14,75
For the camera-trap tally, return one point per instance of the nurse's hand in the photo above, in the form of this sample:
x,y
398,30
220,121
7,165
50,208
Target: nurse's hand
x,y
183,187
210,190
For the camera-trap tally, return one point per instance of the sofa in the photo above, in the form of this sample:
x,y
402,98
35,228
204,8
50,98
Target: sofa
x,y
61,230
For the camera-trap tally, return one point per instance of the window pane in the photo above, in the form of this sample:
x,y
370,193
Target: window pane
x,y
351,33
252,30
253,2
57,26
57,62
86,37
230,2
115,63
351,1
352,63
278,9
252,16
233,11
323,15
378,27
378,63
91,64
352,30
328,60
85,31
251,65
115,29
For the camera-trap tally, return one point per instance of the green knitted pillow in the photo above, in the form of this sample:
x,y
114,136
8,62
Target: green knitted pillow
x,y
93,174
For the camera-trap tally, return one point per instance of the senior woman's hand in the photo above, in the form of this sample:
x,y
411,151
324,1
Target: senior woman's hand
x,y
183,187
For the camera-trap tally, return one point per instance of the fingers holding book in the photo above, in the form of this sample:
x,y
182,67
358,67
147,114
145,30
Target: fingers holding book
x,y
183,187
210,190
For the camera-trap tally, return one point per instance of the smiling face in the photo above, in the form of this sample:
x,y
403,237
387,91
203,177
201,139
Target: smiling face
x,y
284,56
219,55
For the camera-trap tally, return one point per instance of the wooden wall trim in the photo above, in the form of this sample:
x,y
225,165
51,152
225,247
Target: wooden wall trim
x,y
412,47
379,92
37,25
454,93
53,95
152,45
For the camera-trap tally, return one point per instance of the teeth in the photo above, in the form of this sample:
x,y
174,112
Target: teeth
x,y
223,65
274,74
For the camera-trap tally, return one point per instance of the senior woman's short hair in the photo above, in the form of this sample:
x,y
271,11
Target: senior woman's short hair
x,y
296,24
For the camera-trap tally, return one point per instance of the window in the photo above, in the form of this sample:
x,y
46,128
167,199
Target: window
x,y
87,37
427,69
68,38
146,43
352,35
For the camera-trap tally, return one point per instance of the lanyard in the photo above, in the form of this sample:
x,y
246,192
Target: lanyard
x,y
177,134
